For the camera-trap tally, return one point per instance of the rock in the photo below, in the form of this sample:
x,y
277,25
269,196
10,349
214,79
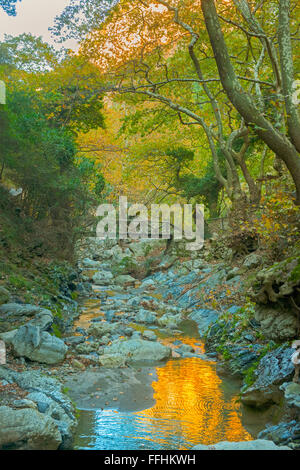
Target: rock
x,y
167,262
259,444
291,393
42,319
4,295
204,318
102,278
27,429
103,328
18,312
37,345
149,335
25,403
273,369
90,263
86,348
185,348
276,323
232,273
112,360
138,350
65,421
279,281
125,279
148,247
74,340
148,283
47,394
170,321
8,336
252,261
283,434
77,364
145,316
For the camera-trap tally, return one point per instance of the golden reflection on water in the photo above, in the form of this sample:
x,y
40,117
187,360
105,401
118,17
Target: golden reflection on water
x,y
193,405
188,394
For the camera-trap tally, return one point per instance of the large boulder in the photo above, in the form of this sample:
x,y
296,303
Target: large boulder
x,y
292,394
276,290
27,429
45,395
259,444
37,345
277,323
138,350
274,369
37,316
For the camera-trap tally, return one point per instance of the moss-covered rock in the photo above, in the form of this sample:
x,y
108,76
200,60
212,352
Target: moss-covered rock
x,y
276,290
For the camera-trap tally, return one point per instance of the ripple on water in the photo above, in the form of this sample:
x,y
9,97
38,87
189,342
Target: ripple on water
x,y
192,406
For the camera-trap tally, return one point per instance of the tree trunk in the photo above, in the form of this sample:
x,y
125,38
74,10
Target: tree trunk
x,y
242,101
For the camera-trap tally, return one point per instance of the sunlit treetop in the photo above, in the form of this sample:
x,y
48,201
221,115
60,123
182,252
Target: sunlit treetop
x,y
133,30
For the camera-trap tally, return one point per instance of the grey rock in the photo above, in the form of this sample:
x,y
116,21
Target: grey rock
x,y
37,345
204,318
145,316
125,279
24,403
74,340
259,444
276,323
138,350
27,429
102,278
149,335
273,369
90,263
170,321
15,312
252,261
291,393
112,360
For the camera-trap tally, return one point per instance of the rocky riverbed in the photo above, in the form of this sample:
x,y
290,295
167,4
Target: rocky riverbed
x,y
143,310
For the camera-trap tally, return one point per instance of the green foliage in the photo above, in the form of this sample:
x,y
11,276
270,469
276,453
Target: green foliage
x,y
9,6
27,52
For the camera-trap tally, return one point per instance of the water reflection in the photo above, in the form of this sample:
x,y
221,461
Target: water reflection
x,y
192,406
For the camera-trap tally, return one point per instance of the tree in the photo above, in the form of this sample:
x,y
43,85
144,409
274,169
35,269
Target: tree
x,y
9,6
142,44
286,147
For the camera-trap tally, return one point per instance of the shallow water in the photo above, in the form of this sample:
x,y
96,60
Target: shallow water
x,y
193,405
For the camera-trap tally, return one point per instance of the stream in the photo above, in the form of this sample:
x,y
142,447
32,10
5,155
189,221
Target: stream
x,y
191,405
